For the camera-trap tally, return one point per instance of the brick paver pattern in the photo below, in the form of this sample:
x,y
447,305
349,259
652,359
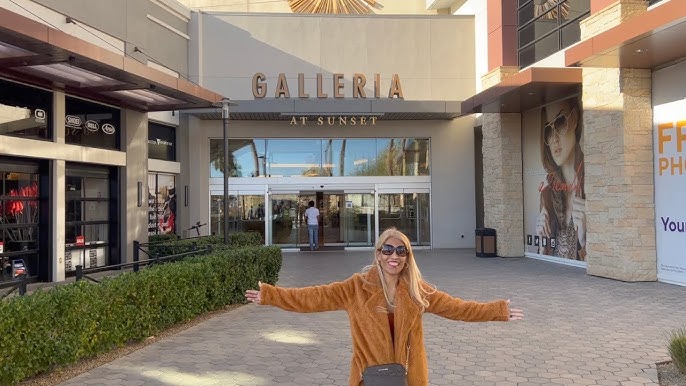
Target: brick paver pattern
x,y
578,330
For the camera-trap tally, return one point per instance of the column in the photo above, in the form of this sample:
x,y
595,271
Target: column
x,y
618,148
134,218
502,177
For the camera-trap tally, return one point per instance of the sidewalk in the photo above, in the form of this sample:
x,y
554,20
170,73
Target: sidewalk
x,y
578,330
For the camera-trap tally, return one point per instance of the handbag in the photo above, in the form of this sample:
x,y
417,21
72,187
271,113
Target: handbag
x,y
390,374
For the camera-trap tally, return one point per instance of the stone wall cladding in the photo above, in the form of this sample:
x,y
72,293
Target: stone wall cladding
x,y
619,185
611,16
497,75
502,178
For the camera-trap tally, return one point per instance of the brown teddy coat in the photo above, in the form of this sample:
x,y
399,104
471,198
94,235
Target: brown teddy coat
x,y
362,297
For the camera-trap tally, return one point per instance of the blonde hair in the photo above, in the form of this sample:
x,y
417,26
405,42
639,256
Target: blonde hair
x,y
410,273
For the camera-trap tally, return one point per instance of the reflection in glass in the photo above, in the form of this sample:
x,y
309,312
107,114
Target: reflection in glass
x,y
358,219
25,111
285,219
87,227
322,157
409,213
246,214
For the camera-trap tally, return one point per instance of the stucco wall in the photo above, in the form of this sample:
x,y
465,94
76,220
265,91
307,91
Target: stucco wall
x,y
231,48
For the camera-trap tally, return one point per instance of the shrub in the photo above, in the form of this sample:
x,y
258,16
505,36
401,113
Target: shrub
x,y
48,329
677,348
163,245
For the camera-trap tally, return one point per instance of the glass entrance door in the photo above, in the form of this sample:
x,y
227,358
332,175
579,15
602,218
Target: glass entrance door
x,y
345,219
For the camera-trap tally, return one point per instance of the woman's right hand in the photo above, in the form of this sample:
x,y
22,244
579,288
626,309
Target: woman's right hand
x,y
542,223
253,296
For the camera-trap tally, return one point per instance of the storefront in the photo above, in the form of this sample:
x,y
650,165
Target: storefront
x,y
74,141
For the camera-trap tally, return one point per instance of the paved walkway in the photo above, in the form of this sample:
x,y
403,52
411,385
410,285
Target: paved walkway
x,y
578,329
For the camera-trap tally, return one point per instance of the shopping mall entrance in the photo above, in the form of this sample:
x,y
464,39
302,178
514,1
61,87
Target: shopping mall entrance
x,y
351,216
346,219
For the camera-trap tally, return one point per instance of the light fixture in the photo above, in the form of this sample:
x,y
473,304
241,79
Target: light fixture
x,y
140,194
641,50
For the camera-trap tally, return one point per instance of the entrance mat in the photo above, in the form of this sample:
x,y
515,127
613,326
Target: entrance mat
x,y
324,248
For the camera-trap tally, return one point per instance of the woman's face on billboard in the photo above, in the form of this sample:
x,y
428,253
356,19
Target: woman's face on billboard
x,y
559,132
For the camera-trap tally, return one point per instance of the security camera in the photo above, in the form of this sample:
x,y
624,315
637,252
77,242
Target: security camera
x,y
321,186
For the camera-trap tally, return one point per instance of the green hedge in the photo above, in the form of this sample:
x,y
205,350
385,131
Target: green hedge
x,y
48,329
163,245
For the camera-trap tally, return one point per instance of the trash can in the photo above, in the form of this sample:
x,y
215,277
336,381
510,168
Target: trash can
x,y
485,242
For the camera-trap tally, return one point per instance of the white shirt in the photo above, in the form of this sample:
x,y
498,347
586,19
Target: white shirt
x,y
312,214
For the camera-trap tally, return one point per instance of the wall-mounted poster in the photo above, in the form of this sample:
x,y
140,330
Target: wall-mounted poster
x,y
161,204
670,185
554,196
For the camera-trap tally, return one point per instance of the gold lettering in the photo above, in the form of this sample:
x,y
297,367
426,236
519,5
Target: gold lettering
x,y
353,121
304,120
680,136
330,120
259,87
373,120
282,87
363,121
337,86
359,80
320,121
293,121
301,86
662,137
396,91
320,93
377,85
342,121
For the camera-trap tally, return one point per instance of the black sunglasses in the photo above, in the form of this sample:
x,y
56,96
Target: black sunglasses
x,y
388,250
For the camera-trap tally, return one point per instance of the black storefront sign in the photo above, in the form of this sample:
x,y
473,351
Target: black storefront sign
x,y
161,142
91,124
26,111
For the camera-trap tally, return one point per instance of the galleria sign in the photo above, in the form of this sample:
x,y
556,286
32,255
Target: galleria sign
x,y
359,81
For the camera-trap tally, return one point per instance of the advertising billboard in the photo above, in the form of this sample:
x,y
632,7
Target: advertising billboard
x,y
669,136
553,175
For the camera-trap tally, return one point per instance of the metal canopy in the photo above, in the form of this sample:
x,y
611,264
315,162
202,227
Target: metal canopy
x,y
34,53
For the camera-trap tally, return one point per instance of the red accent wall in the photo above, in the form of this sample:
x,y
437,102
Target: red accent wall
x,y
599,5
502,33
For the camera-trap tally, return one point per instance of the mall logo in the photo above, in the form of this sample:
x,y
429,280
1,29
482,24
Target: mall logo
x,y
359,81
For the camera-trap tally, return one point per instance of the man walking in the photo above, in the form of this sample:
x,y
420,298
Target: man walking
x,y
312,215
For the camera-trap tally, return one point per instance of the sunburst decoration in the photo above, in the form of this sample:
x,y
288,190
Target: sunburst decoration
x,y
353,7
550,9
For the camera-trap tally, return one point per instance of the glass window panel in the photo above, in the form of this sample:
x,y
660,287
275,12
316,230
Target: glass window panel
x,y
95,210
25,111
95,188
538,28
409,213
525,14
216,211
570,34
358,219
92,124
575,9
360,157
415,157
161,142
247,157
294,157
166,203
285,219
94,233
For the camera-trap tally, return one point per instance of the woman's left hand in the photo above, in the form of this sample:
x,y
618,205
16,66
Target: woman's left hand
x,y
515,314
579,216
